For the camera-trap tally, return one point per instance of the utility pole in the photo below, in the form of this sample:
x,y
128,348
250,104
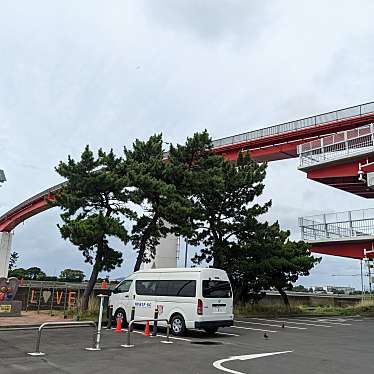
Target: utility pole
x,y
370,265
362,282
185,254
2,176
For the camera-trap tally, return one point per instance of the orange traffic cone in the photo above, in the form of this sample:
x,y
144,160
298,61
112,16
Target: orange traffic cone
x,y
119,325
146,330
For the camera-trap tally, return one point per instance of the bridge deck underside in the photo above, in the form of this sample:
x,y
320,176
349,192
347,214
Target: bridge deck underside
x,y
26,212
343,175
344,248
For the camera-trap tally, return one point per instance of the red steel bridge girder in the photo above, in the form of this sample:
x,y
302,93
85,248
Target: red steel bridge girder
x,y
21,215
343,175
284,145
349,249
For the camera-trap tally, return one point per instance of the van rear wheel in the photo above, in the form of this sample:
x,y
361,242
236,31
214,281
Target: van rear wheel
x,y
177,324
211,330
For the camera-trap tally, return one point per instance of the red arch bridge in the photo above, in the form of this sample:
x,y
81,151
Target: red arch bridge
x,y
334,148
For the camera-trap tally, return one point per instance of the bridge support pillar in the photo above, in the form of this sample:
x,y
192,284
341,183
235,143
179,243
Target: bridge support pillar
x,y
166,254
5,248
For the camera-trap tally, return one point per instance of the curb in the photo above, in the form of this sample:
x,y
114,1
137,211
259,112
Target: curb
x,y
34,326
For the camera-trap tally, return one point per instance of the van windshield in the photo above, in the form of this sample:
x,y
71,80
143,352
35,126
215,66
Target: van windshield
x,y
216,289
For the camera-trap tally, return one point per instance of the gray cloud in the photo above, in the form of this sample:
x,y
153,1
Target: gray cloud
x,y
209,20
69,76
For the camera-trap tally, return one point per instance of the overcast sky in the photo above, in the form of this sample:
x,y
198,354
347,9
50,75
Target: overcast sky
x,y
106,72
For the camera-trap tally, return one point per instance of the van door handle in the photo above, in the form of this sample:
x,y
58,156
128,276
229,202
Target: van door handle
x,y
127,296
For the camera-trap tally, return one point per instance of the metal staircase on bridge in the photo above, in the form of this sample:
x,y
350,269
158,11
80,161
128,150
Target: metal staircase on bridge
x,y
340,225
342,160
336,147
345,234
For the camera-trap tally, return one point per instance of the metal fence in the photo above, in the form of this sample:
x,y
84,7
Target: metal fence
x,y
354,223
336,115
335,146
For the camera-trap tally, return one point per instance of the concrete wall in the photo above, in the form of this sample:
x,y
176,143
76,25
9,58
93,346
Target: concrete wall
x,y
311,299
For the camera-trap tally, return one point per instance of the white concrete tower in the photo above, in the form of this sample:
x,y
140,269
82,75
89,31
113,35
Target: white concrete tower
x,y
5,248
166,254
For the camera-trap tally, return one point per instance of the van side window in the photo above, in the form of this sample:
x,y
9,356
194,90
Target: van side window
x,y
214,289
123,287
145,287
182,288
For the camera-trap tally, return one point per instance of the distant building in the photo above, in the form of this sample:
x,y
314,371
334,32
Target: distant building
x,y
333,289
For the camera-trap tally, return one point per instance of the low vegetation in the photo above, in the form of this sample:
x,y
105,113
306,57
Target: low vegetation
x,y
363,308
79,314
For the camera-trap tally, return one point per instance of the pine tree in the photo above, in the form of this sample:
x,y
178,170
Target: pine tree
x,y
264,258
223,195
154,191
94,206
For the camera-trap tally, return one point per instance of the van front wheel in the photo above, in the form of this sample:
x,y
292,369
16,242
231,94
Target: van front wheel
x,y
177,324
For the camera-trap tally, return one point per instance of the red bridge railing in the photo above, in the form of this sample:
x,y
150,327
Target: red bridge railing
x,y
336,115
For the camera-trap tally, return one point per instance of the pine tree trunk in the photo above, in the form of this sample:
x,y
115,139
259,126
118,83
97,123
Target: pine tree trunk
x,y
139,259
90,286
285,298
93,278
218,260
142,247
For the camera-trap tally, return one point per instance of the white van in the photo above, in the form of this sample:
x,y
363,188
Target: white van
x,y
189,298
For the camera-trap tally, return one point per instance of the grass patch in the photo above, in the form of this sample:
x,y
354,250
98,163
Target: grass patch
x,y
265,310
91,314
364,308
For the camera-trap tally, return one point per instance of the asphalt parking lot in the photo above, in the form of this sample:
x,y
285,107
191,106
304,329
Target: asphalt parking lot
x,y
303,345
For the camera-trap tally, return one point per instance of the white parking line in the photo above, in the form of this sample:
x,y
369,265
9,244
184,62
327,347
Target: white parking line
x,y
164,336
334,323
323,320
271,325
250,328
289,321
226,333
218,364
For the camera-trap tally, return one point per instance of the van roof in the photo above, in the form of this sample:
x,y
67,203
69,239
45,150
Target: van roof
x,y
176,270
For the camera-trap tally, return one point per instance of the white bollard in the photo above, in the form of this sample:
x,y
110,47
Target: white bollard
x,y
98,334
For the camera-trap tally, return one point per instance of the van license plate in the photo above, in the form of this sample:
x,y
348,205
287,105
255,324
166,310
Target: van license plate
x,y
219,308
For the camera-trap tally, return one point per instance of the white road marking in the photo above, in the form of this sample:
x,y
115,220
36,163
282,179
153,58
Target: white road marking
x,y
271,325
334,323
250,328
290,321
218,364
170,337
323,320
226,333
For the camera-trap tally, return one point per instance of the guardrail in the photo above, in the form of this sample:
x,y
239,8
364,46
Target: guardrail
x,y
129,331
349,224
336,146
336,115
61,325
